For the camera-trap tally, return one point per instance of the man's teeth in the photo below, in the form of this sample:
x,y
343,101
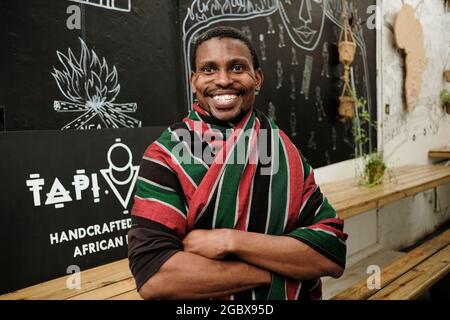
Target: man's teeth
x,y
225,97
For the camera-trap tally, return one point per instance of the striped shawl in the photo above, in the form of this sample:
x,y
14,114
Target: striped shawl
x,y
202,173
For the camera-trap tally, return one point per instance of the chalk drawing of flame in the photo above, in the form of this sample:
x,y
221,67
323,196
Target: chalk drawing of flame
x,y
91,86
119,5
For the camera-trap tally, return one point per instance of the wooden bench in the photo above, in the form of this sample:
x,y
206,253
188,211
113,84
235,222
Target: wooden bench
x,y
408,277
109,281
114,280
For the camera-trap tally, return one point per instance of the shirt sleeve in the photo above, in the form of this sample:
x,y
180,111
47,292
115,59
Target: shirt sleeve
x,y
319,226
158,216
159,196
150,245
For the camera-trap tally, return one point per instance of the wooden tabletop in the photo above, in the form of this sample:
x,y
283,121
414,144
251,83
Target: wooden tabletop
x,y
443,152
349,199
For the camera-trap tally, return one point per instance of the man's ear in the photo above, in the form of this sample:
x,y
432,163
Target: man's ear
x,y
193,78
259,78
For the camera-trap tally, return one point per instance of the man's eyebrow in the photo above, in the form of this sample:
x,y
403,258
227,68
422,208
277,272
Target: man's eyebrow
x,y
239,60
230,62
206,63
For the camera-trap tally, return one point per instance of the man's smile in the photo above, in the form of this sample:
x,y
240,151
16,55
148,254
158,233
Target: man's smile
x,y
225,100
224,97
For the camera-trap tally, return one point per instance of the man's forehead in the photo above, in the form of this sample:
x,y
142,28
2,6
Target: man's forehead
x,y
223,47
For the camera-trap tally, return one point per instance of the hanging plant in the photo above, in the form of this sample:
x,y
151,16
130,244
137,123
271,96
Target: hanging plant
x,y
347,50
346,99
447,75
347,45
346,108
445,99
445,66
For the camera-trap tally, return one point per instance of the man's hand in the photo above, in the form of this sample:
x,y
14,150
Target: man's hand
x,y
212,244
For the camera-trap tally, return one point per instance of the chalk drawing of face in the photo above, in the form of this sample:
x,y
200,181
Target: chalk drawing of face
x,y
297,17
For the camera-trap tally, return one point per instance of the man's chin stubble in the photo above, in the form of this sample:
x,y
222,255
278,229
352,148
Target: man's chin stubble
x,y
236,118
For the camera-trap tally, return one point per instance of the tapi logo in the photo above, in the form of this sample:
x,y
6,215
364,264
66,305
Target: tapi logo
x,y
121,179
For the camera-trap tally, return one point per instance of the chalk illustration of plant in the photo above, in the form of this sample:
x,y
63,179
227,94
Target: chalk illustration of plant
x,y
91,86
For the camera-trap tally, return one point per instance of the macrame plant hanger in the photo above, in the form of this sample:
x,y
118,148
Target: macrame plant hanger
x,y
347,50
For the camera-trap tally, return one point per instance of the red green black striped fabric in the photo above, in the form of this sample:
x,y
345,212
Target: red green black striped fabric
x,y
202,173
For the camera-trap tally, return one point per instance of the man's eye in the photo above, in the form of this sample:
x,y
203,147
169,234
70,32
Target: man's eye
x,y
237,68
207,69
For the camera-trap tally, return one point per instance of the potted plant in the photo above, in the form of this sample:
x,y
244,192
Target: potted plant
x,y
373,169
445,99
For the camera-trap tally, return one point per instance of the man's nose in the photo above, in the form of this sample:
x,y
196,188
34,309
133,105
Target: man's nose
x,y
223,78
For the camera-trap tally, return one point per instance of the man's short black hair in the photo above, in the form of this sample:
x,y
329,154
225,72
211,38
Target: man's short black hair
x,y
224,32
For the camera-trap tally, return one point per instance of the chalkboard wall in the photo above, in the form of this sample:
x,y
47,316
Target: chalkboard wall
x,y
297,45
141,44
86,85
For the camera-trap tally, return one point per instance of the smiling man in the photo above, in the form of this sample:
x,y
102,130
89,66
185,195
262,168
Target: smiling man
x,y
230,221
225,84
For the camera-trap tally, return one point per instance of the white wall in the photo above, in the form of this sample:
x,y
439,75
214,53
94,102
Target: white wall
x,y
405,138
